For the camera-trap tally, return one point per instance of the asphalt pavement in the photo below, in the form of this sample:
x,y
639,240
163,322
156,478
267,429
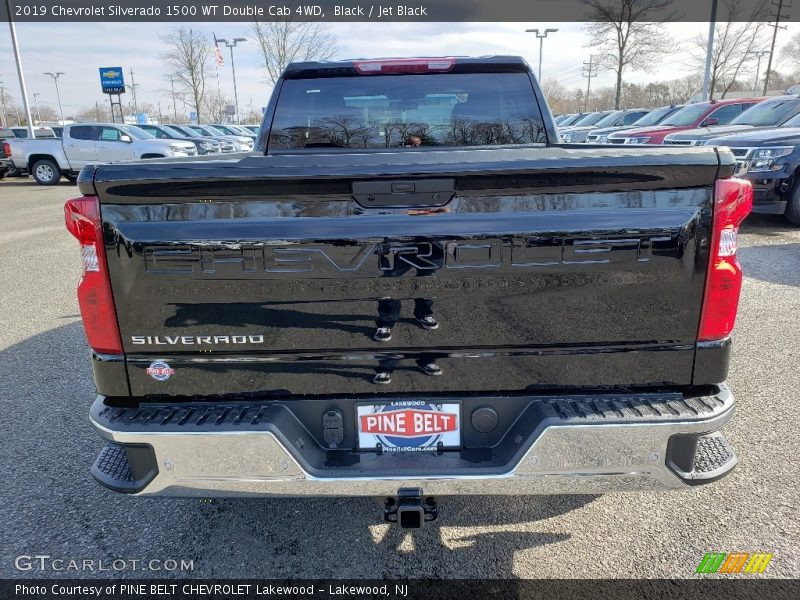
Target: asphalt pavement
x,y
51,506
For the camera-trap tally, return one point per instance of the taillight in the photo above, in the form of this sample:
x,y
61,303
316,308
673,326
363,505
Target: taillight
x,y
82,216
732,203
405,65
6,148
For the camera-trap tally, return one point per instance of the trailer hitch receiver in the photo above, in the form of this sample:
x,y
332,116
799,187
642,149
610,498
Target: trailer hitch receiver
x,y
410,509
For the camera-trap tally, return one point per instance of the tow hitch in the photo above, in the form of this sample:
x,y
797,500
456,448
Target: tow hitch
x,y
409,509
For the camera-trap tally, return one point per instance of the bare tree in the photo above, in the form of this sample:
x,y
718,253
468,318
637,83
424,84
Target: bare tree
x,y
186,59
624,30
791,53
214,106
282,42
736,35
555,94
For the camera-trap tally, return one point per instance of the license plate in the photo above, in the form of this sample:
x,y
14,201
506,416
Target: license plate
x,y
408,426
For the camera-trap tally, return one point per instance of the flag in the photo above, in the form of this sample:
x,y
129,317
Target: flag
x,y
218,54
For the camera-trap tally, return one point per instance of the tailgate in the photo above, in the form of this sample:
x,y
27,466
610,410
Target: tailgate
x,y
544,268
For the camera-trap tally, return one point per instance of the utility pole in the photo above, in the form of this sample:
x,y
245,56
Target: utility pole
x,y
55,77
21,75
36,104
709,52
174,106
232,44
97,111
133,86
2,104
541,37
589,71
759,54
778,14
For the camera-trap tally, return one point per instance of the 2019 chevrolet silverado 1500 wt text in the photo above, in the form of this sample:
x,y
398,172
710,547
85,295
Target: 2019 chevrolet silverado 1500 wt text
x,y
412,291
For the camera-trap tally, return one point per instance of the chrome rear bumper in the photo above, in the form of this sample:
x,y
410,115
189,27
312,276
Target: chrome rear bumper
x,y
611,446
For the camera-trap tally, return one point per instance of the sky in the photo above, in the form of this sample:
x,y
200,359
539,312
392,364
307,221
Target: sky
x,y
79,49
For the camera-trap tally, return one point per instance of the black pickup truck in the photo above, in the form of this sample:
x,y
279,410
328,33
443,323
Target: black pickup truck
x,y
410,290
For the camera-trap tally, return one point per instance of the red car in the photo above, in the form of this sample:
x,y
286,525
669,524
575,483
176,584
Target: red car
x,y
700,114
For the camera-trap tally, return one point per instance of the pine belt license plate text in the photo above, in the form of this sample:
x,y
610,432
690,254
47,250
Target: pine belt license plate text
x,y
409,426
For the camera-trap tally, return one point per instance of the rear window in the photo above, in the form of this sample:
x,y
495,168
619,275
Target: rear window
x,y
409,110
81,132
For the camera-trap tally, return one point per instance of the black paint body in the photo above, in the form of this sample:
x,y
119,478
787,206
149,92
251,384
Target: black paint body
x,y
547,267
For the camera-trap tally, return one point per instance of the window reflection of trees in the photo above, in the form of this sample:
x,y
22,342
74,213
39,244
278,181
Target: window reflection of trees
x,y
350,131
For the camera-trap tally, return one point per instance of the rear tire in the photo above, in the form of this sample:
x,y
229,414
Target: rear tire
x,y
46,172
70,177
792,212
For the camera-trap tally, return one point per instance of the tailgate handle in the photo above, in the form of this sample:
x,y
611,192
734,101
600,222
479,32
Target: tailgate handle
x,y
403,193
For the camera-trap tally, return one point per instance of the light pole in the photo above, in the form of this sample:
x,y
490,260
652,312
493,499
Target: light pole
x,y
232,44
541,37
55,77
174,106
36,104
20,74
708,91
759,54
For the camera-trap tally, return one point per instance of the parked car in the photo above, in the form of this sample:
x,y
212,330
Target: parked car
x,y
701,114
47,160
251,318
589,121
770,113
227,144
571,119
618,118
244,143
654,117
234,130
205,145
253,128
770,160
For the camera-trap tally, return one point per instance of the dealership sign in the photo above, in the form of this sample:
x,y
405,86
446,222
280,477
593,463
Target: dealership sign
x,y
111,80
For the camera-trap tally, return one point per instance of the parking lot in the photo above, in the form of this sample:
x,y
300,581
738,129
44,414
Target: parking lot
x,y
51,505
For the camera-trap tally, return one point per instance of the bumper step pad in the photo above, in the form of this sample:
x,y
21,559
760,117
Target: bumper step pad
x,y
117,467
711,457
714,456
